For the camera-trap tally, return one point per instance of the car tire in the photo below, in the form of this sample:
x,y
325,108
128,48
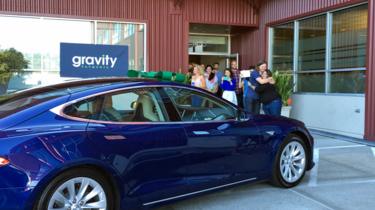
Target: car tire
x,y
290,163
96,190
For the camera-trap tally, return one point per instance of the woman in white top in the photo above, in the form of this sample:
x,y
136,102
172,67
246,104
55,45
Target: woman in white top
x,y
198,80
212,83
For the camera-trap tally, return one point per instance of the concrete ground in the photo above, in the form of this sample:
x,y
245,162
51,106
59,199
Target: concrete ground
x,y
343,178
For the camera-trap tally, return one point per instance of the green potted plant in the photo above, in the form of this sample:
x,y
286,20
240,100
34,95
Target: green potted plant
x,y
284,85
11,61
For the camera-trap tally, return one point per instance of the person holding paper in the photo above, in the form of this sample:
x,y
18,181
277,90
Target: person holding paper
x,y
249,95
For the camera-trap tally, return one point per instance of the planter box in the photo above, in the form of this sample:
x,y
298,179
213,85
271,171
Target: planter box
x,y
285,111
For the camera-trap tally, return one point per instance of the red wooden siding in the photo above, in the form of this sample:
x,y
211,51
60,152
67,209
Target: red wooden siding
x,y
232,12
167,23
370,76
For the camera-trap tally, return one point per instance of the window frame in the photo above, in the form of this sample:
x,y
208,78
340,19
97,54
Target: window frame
x,y
328,53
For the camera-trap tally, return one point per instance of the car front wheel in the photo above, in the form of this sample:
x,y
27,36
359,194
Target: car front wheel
x,y
290,165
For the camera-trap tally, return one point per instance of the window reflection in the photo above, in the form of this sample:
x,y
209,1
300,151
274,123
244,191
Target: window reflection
x,y
312,43
282,48
349,37
124,34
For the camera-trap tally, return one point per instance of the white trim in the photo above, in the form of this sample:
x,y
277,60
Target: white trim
x,y
270,47
197,192
95,41
349,69
145,57
311,71
295,55
328,57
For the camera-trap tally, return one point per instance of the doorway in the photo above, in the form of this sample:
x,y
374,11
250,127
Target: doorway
x,y
209,44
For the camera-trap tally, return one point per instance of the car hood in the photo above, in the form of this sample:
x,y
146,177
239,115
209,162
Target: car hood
x,y
277,119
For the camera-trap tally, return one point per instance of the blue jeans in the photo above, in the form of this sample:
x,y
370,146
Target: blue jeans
x,y
251,105
273,108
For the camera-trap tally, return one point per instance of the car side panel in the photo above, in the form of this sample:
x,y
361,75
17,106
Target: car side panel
x,y
150,158
39,149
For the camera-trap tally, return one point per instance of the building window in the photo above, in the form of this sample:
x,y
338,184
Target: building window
x,y
39,40
124,34
329,51
282,47
312,44
349,38
311,54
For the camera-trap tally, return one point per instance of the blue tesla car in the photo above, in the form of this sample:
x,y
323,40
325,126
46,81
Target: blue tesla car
x,y
120,143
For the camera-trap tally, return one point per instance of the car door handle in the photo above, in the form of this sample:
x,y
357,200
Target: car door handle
x,y
200,133
114,137
216,132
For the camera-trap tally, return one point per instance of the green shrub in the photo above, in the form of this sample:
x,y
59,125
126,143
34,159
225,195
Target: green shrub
x,y
284,85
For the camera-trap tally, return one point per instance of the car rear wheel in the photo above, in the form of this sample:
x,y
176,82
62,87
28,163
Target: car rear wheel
x,y
77,189
290,165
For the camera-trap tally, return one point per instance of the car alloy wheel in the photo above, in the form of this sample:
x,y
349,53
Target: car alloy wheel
x,y
292,162
77,194
78,189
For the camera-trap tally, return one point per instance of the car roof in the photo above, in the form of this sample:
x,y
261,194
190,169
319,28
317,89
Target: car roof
x,y
74,86
90,82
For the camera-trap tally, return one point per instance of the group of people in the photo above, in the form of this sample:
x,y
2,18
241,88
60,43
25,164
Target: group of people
x,y
250,91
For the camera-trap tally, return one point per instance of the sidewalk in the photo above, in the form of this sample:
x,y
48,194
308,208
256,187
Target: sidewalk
x,y
343,178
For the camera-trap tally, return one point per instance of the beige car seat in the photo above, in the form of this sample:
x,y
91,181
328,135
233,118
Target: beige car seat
x,y
147,105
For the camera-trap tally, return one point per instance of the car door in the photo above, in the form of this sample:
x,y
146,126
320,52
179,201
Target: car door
x,y
128,128
222,148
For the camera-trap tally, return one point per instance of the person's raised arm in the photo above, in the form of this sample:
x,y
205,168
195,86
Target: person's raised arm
x,y
265,81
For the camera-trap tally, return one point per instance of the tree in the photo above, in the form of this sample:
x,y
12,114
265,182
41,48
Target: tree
x,y
11,61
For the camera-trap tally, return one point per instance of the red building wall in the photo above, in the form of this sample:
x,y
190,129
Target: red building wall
x,y
167,20
370,76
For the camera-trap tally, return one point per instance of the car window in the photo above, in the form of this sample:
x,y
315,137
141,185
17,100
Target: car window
x,y
12,103
139,105
195,106
86,109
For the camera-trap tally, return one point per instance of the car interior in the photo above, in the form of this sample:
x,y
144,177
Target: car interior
x,y
119,108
